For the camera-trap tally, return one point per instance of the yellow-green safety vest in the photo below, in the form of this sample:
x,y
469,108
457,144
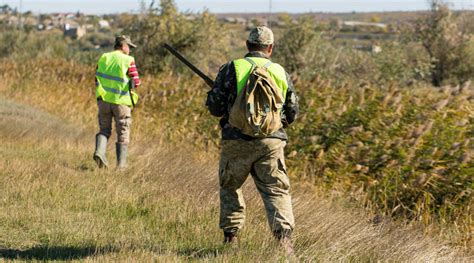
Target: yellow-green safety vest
x,y
243,68
113,81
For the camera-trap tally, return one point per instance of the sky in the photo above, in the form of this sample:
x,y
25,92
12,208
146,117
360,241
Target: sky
x,y
224,6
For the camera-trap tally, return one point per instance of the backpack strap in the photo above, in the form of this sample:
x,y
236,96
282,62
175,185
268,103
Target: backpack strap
x,y
251,62
268,64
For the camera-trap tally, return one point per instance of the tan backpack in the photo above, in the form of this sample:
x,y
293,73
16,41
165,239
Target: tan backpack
x,y
257,109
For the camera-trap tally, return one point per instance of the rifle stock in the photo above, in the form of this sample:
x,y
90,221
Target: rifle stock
x,y
203,76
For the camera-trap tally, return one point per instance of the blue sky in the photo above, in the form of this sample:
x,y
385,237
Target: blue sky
x,y
224,6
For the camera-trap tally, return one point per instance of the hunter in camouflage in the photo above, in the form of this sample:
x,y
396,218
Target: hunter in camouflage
x,y
262,158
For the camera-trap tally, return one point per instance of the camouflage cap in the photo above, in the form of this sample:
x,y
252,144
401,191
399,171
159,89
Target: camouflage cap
x,y
261,35
124,40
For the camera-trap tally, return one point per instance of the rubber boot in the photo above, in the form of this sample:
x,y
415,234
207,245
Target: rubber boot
x,y
230,237
121,151
100,149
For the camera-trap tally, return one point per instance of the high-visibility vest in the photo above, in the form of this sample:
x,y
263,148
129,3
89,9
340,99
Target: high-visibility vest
x,y
113,81
243,68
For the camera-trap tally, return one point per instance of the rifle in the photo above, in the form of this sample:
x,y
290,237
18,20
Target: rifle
x,y
203,76
131,85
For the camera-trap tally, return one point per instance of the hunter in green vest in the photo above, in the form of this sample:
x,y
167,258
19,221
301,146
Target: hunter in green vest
x,y
116,75
243,154
243,68
113,82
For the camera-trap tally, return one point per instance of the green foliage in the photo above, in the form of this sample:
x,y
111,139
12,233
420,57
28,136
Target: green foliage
x,y
403,152
27,45
309,54
408,151
449,48
404,63
196,36
294,42
22,45
92,40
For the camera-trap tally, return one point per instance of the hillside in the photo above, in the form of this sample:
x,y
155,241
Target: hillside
x,y
57,206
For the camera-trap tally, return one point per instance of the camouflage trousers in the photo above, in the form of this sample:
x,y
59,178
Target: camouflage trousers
x,y
122,114
264,160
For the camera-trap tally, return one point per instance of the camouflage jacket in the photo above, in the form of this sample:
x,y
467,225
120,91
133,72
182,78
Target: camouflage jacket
x,y
222,96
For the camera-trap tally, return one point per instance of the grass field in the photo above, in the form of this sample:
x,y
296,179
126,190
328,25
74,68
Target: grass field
x,y
381,157
55,205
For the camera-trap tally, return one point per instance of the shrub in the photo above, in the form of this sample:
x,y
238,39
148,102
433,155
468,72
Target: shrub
x,y
28,45
449,48
309,54
196,36
401,62
405,152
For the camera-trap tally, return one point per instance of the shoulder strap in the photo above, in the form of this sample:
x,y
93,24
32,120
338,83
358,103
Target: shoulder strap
x,y
268,64
251,62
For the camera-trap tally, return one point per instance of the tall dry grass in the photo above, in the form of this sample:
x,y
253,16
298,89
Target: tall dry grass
x,y
397,151
56,205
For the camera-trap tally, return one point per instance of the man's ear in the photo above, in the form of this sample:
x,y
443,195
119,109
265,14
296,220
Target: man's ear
x,y
270,49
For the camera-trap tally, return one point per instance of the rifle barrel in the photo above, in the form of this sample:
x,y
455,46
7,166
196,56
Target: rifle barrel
x,y
131,85
173,51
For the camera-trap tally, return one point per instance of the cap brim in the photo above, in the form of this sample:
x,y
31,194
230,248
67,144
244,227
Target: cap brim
x,y
132,45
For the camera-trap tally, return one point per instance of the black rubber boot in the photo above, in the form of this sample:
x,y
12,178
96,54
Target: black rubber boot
x,y
100,149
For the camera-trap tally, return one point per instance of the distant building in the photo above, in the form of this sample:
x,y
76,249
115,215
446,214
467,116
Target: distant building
x,y
260,22
47,24
257,22
276,23
68,24
240,21
70,16
75,32
13,21
104,24
235,20
364,24
376,49
29,21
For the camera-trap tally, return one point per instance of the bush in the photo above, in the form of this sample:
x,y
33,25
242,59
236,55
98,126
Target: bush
x,y
405,63
308,54
21,46
405,152
196,36
449,48
28,45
